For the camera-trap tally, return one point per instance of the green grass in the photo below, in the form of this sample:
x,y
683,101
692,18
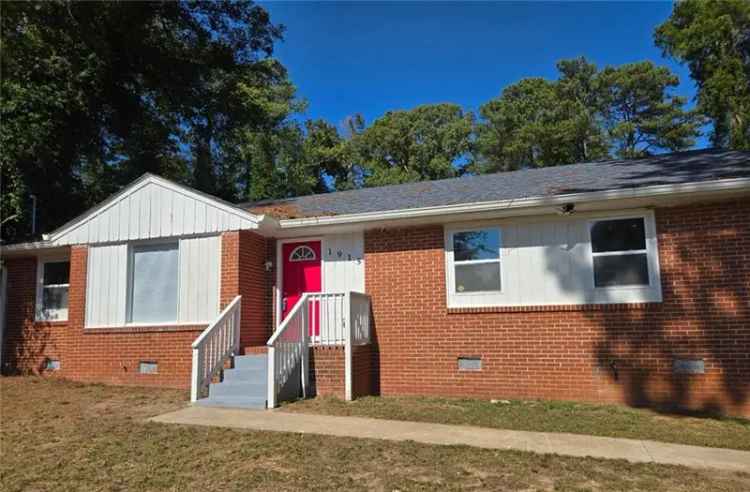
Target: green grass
x,y
57,435
544,416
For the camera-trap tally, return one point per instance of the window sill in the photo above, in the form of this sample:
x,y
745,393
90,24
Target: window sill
x,y
636,306
51,322
143,328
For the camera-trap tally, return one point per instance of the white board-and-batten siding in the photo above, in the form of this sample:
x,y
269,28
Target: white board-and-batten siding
x,y
154,209
344,262
548,261
108,282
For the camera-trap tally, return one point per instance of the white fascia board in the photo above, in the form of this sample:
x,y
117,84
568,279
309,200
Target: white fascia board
x,y
135,186
657,191
36,248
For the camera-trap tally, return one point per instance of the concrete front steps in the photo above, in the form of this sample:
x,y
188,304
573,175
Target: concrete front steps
x,y
244,386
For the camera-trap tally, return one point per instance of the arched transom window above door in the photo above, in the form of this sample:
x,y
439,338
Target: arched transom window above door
x,y
302,253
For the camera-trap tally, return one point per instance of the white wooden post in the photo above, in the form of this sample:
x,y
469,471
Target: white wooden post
x,y
237,328
305,338
271,377
348,333
195,378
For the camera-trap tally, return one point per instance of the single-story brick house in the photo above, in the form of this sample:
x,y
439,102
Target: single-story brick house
x,y
619,281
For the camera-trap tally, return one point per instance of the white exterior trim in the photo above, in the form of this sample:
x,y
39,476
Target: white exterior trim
x,y
652,251
39,312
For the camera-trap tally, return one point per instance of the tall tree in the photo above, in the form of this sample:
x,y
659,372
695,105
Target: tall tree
x,y
96,93
577,92
427,142
584,115
536,122
713,38
295,159
640,113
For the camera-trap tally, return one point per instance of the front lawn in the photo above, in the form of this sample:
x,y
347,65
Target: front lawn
x,y
57,435
544,416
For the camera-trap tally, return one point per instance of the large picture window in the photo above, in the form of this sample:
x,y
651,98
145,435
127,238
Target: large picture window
x,y
154,283
620,254
52,292
476,261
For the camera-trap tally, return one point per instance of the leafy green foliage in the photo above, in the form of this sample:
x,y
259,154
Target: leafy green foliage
x,y
95,94
639,113
584,115
421,144
713,38
294,160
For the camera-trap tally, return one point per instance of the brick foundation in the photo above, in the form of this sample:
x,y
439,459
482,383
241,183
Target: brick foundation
x,y
327,371
592,353
365,371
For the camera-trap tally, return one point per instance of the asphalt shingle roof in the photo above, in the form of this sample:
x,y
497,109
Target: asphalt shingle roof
x,y
678,168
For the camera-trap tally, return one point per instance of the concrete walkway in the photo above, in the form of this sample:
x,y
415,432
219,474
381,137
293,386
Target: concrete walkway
x,y
482,437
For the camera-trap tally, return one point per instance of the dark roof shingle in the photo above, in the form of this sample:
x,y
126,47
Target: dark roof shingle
x,y
677,168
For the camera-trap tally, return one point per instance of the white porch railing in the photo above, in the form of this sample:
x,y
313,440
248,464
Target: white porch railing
x,y
320,318
217,342
287,349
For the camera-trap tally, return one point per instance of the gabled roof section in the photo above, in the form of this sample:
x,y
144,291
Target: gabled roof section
x,y
153,207
660,172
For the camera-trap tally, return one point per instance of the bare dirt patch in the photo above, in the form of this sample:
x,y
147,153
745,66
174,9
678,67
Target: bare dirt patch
x,y
56,435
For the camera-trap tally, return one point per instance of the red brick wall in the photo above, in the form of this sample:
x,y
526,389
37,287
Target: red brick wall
x,y
243,257
327,371
27,345
364,369
102,355
568,352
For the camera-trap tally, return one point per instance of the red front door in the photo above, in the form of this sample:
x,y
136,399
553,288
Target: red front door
x,y
301,273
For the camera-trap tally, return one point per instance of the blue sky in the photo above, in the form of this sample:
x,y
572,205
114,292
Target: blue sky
x,y
374,57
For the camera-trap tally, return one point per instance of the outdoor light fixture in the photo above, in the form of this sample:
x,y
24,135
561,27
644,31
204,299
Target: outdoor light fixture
x,y
567,209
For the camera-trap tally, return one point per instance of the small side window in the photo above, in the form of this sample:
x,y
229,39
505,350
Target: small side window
x,y
620,254
52,291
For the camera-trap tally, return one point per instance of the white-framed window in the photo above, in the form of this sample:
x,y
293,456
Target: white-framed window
x,y
474,261
53,284
153,283
620,252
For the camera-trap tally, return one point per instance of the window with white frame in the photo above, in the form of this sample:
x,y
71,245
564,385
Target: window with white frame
x,y
476,260
153,283
53,283
620,252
